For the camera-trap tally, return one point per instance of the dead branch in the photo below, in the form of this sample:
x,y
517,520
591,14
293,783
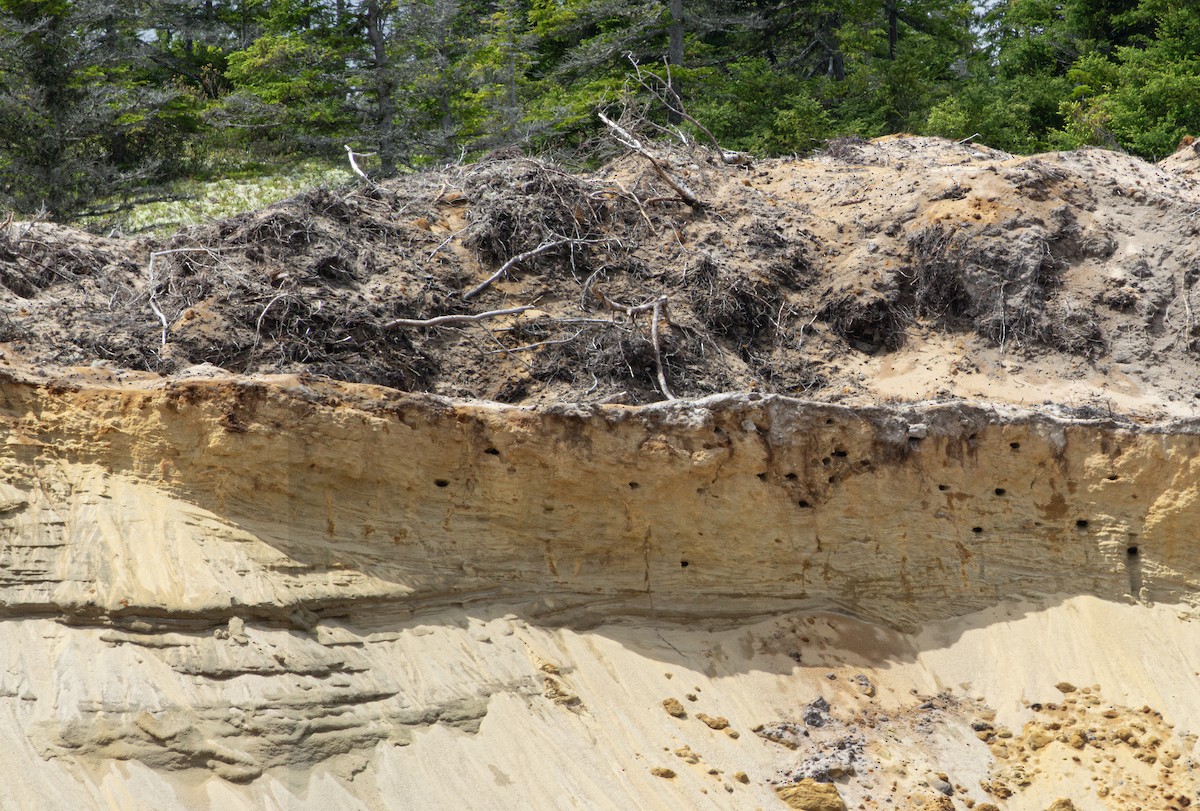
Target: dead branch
x,y
527,347
452,320
629,141
448,240
675,105
516,260
354,164
657,309
153,282
659,306
263,314
637,202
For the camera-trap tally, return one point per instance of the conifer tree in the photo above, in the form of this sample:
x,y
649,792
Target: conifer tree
x,y
76,124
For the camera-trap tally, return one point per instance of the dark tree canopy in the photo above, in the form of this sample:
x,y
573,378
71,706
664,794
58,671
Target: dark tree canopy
x,y
100,103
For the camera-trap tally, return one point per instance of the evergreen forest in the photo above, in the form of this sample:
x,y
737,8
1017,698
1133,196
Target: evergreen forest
x,y
105,105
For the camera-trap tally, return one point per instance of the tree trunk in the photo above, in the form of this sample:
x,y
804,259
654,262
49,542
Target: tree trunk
x,y
893,29
675,51
445,10
385,102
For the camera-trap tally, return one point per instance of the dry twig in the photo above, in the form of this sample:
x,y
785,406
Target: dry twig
x,y
152,282
452,320
675,105
516,260
657,309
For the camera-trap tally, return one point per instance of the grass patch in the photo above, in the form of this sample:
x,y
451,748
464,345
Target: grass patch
x,y
205,201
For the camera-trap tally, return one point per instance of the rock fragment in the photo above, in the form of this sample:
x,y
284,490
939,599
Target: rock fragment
x,y
816,713
940,803
674,708
809,795
864,685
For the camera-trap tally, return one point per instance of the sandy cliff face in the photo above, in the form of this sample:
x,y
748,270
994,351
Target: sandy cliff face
x,y
283,500
281,591
286,591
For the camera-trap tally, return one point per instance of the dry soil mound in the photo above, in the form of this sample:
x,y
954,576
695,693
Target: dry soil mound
x,y
962,270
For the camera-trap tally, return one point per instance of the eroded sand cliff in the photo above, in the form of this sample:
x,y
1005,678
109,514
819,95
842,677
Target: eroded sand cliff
x,y
299,510
295,593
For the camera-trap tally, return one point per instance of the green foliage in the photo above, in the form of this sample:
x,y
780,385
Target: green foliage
x,y
109,98
290,81
1142,98
754,108
77,121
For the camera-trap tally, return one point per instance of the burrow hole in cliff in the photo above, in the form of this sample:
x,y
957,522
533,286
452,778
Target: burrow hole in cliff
x,y
1113,477
840,454
1000,491
634,485
492,452
943,487
683,564
791,477
442,482
1131,551
1016,446
977,530
1082,523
